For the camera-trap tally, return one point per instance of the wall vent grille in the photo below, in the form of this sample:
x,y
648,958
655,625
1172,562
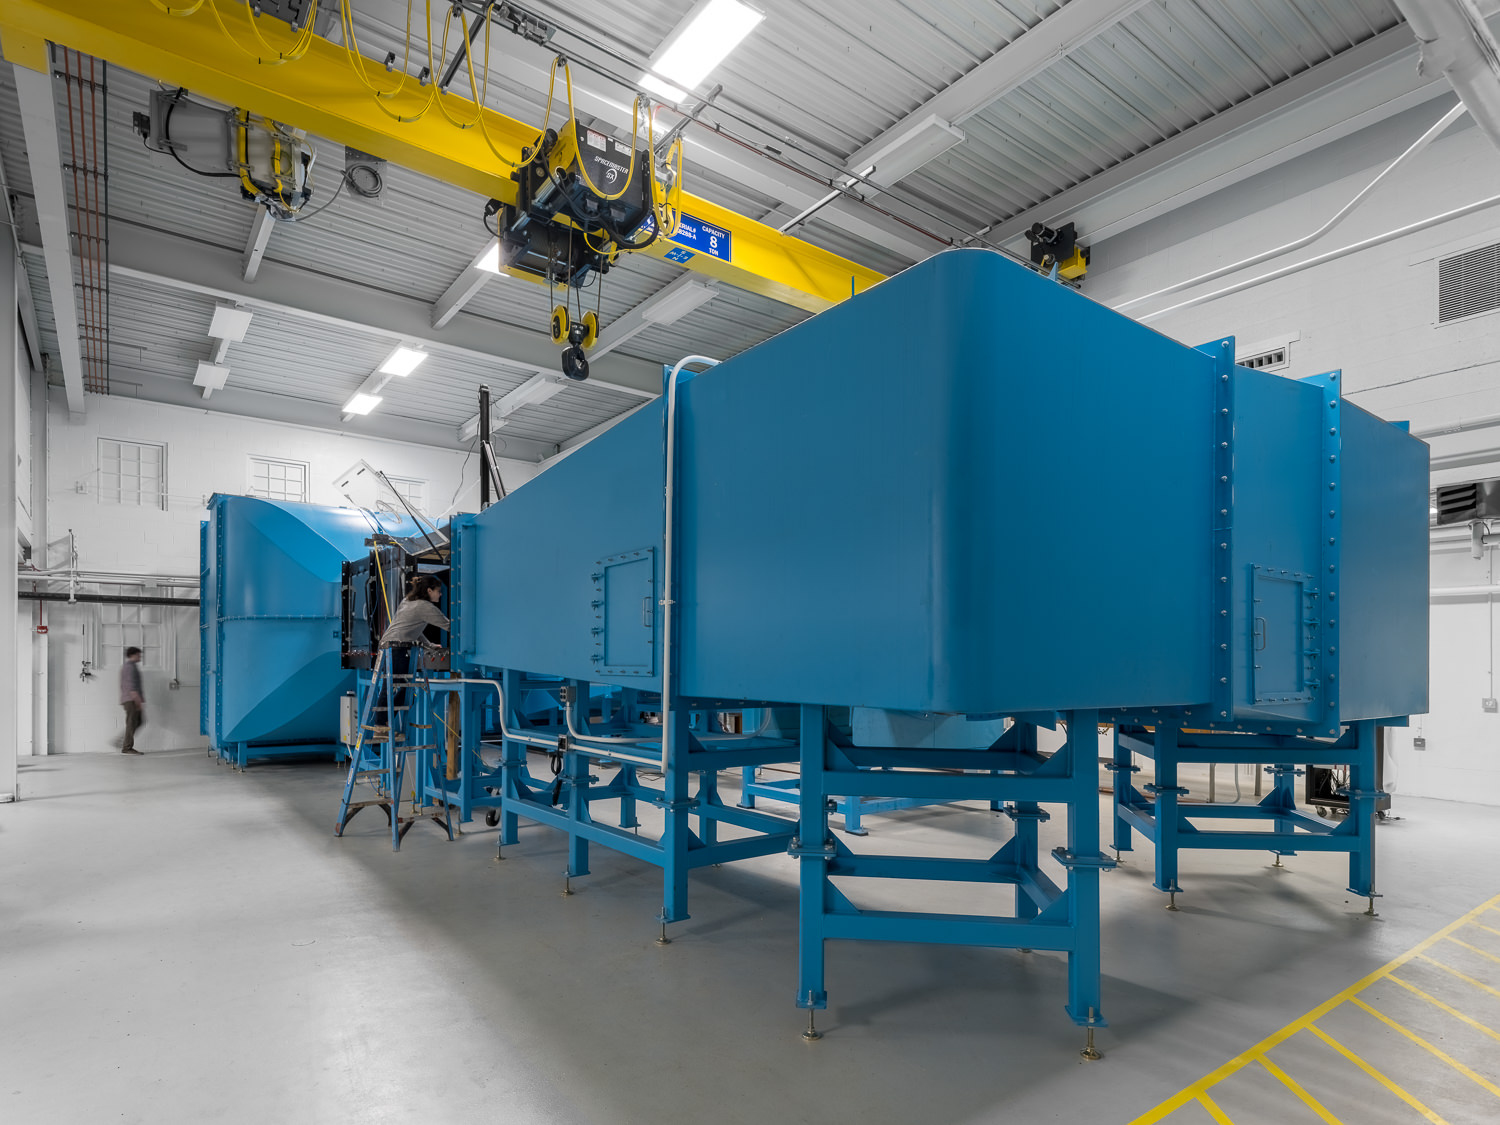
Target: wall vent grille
x,y
1469,283
1276,357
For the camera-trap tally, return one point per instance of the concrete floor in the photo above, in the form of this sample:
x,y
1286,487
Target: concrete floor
x,y
181,943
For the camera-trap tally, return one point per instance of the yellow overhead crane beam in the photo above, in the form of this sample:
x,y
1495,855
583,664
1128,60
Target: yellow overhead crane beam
x,y
321,93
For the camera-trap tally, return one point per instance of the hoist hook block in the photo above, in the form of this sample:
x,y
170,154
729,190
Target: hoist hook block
x,y
560,324
575,364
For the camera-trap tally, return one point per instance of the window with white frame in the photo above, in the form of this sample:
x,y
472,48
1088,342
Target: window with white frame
x,y
130,626
132,474
275,479
412,490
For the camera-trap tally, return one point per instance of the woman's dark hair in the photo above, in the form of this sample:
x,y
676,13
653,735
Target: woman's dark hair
x,y
419,585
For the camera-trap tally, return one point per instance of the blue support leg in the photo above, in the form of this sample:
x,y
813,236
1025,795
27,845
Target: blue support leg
x,y
627,779
1363,800
747,780
512,767
576,784
850,808
708,796
813,850
1124,771
1084,862
1166,792
677,833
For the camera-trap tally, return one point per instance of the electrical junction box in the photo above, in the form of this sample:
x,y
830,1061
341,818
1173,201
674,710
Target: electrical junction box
x,y
1419,743
1489,705
349,719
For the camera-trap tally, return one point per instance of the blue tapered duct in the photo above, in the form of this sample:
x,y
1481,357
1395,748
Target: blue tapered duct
x,y
271,574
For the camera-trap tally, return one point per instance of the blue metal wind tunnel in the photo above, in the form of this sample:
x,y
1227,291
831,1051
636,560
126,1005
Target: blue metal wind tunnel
x,y
969,491
973,491
271,574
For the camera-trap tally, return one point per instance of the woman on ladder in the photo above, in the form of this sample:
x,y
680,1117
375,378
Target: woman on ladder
x,y
418,610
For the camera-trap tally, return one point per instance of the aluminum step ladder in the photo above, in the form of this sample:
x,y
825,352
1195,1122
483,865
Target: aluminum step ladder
x,y
379,758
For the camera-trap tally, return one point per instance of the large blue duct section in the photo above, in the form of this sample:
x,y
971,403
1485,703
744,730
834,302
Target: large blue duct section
x,y
973,491
271,573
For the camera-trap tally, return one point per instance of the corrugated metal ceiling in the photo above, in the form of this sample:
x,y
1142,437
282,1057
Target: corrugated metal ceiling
x,y
827,78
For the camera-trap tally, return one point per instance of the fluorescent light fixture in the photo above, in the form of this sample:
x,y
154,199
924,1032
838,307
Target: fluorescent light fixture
x,y
672,307
361,403
924,141
230,322
210,377
664,89
701,42
489,261
402,361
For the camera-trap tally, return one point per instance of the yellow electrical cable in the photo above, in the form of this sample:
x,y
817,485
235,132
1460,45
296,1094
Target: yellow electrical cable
x,y
300,48
667,205
356,62
304,37
635,127
385,594
480,100
244,162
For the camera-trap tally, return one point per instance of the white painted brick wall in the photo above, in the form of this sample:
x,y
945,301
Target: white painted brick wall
x,y
206,453
1373,315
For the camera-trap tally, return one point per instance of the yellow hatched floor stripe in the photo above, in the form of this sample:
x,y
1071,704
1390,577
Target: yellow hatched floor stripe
x,y
1377,1075
1491,929
1438,1051
1474,949
1435,1002
1479,984
1295,1087
1238,1063
1219,1116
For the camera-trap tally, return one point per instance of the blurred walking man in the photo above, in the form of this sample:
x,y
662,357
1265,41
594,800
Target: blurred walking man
x,y
131,698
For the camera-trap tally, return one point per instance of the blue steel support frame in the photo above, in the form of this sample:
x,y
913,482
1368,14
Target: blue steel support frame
x,y
691,814
477,785
852,809
1047,916
1156,812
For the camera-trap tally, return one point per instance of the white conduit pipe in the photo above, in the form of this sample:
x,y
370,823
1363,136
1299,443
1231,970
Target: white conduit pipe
x,y
669,510
1321,259
1456,41
1421,143
1463,592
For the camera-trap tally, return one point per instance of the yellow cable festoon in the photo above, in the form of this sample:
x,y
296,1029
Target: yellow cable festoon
x,y
635,132
159,6
299,48
481,97
357,63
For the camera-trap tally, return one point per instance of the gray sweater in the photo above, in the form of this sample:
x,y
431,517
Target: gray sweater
x,y
412,619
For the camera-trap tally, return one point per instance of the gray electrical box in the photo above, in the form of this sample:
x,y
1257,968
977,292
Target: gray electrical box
x,y
348,719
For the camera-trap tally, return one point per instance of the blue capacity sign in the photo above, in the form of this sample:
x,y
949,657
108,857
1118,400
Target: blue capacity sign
x,y
696,235
703,237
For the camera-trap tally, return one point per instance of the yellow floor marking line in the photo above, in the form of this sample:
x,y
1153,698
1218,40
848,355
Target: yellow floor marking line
x,y
1462,976
1295,1087
1491,929
1454,1012
1219,1116
1438,1051
1474,949
1375,1074
1239,1062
